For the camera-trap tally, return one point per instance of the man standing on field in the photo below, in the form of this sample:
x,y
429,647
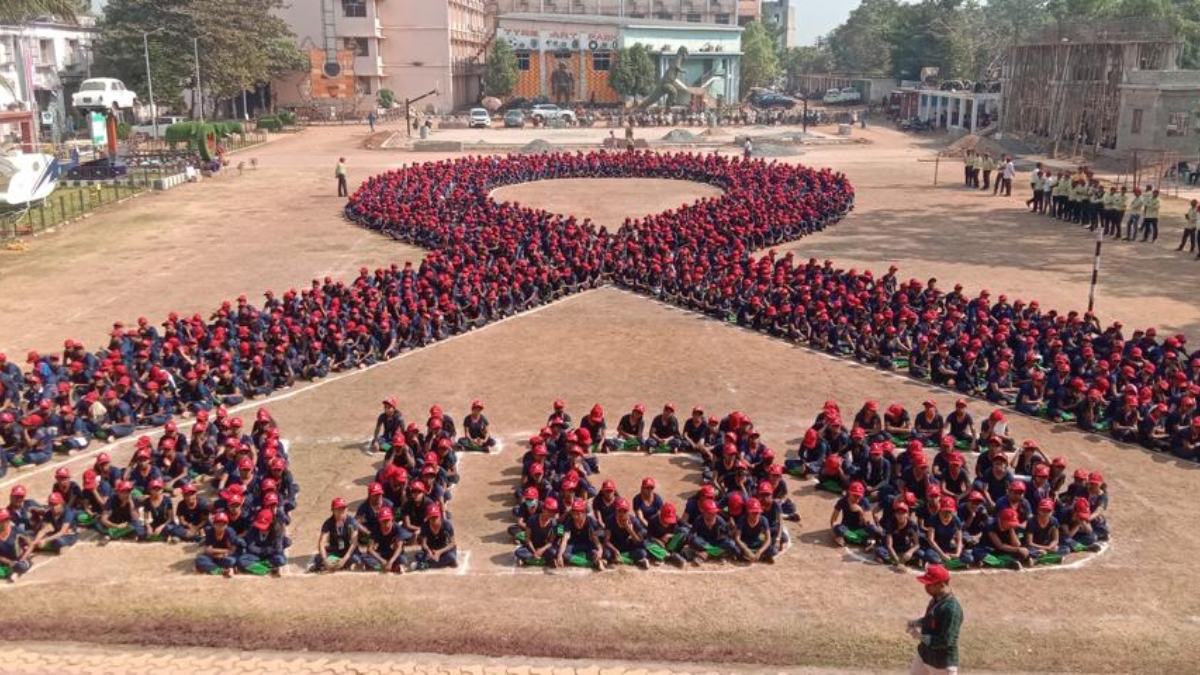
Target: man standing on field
x,y
937,653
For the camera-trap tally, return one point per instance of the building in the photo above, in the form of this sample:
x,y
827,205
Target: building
x,y
969,110
580,50
729,12
42,63
1159,111
359,47
1063,85
783,14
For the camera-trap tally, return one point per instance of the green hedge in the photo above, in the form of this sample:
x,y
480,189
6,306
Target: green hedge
x,y
288,118
182,132
270,123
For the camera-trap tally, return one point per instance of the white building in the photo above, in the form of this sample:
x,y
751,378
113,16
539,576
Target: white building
x,y
41,63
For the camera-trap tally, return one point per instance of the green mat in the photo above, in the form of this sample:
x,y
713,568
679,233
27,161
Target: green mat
x,y
714,551
663,449
962,445
472,447
856,536
830,485
1068,417
954,564
520,536
578,560
1049,559
535,562
5,571
796,471
675,542
900,363
630,444
658,552
998,560
84,518
259,569
118,532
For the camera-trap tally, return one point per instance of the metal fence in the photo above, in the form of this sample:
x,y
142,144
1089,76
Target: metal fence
x,y
63,205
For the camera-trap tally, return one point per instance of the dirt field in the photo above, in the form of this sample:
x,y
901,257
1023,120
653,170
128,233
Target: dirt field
x,y
1132,609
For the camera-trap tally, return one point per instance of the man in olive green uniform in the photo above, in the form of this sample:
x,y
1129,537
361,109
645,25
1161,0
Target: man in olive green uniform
x,y
1150,217
937,653
988,165
1096,208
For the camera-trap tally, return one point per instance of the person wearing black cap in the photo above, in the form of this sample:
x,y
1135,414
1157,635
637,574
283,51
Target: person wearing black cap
x,y
937,652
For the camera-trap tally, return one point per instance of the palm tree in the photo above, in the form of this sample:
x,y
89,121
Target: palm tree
x,y
20,11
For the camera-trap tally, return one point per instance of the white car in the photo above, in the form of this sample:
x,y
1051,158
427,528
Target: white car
x,y
163,122
103,93
479,118
546,112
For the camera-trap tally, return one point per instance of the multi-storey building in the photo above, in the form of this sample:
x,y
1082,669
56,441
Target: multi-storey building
x,y
41,63
729,12
359,47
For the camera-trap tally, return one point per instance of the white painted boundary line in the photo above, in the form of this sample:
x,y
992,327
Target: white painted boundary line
x,y
22,475
1074,565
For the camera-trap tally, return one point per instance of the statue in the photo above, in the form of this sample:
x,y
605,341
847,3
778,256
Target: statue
x,y
562,85
672,86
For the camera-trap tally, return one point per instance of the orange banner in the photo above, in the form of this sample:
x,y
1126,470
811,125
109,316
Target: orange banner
x,y
341,86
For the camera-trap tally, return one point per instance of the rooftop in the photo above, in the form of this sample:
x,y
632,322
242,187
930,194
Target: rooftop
x,y
620,21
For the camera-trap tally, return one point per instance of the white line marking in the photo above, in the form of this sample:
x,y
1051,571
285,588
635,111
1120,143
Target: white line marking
x,y
271,400
1074,565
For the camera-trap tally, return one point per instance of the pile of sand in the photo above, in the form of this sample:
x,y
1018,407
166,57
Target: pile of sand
x,y
681,136
537,147
974,142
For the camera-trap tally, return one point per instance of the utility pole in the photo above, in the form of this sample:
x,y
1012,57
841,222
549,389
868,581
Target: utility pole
x,y
150,80
199,93
1095,271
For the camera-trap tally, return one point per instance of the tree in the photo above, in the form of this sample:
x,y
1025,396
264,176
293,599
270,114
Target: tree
x,y
760,63
21,11
861,44
798,61
242,44
633,73
502,70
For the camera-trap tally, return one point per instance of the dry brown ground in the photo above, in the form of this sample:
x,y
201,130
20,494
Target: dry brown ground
x,y
1133,609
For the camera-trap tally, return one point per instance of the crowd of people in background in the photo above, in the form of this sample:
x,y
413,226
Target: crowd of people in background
x,y
226,489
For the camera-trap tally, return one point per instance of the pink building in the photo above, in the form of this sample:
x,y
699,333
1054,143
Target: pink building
x,y
410,47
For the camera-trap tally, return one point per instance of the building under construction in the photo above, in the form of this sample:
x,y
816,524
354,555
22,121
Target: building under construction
x,y
1064,83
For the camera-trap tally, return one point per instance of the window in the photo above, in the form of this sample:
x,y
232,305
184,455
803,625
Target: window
x,y
723,18
665,16
1135,127
364,85
601,60
360,46
523,59
1177,124
693,18
46,52
354,8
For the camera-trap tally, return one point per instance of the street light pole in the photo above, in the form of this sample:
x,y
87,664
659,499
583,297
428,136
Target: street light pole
x,y
199,93
150,81
1095,271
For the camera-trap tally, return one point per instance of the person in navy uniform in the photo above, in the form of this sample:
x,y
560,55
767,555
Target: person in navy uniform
x,y
436,541
220,547
338,539
852,513
752,535
664,431
385,550
191,513
121,512
624,535
944,535
541,534
710,530
264,543
476,435
14,547
581,535
901,543
58,529
631,430
386,425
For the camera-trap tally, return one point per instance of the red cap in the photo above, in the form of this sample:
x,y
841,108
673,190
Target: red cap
x,y
754,506
157,484
608,485
386,514
1046,504
648,483
900,507
55,498
476,404
578,506
975,496
934,574
220,517
337,503
1082,508
1017,486
857,489
1041,471
622,504
708,491
709,506
62,473
947,504
551,504
374,489
668,514
264,519
1008,517
1096,478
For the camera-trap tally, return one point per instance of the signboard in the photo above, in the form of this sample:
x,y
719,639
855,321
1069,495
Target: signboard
x,y
47,117
341,86
524,38
99,124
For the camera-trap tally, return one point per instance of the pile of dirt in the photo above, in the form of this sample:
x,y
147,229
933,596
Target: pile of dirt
x,y
773,150
376,140
977,143
537,147
681,136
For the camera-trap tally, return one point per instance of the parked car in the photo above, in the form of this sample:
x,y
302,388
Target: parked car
x,y
548,112
162,122
479,118
103,93
847,95
772,99
514,119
